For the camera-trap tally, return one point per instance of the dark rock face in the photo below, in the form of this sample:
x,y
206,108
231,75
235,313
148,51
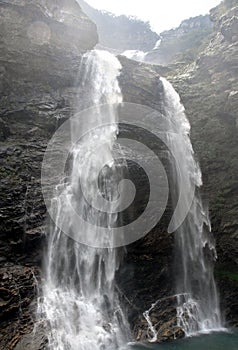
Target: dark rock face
x,y
146,274
40,51
18,285
140,83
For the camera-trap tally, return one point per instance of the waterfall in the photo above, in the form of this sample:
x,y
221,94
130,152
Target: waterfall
x,y
79,300
197,302
135,55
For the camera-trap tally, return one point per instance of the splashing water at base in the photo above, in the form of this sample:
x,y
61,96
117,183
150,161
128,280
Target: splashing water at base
x,y
151,332
198,303
80,303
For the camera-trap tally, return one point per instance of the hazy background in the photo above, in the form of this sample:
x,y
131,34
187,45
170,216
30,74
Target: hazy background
x,y
162,14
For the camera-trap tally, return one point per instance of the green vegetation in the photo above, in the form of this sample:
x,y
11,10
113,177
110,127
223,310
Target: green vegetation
x,y
228,274
185,46
219,202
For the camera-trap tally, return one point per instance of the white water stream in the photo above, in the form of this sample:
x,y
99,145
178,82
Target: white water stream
x,y
79,298
198,303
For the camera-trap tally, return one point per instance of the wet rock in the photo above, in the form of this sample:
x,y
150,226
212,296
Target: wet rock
x,y
140,83
36,340
18,286
164,322
4,130
145,273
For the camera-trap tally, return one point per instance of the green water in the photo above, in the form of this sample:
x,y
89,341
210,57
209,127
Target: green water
x,y
221,341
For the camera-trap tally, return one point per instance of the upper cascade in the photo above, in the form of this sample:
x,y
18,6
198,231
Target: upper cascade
x,y
79,296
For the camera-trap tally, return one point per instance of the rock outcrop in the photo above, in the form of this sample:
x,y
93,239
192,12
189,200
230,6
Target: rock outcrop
x,y
146,274
40,51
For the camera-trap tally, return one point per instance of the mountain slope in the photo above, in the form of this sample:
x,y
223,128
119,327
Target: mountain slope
x,y
121,32
182,43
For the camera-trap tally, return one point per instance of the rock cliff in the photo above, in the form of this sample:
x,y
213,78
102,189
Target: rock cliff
x,y
182,43
146,274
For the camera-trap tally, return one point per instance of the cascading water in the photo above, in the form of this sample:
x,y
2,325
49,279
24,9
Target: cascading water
x,y
198,304
135,55
79,298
